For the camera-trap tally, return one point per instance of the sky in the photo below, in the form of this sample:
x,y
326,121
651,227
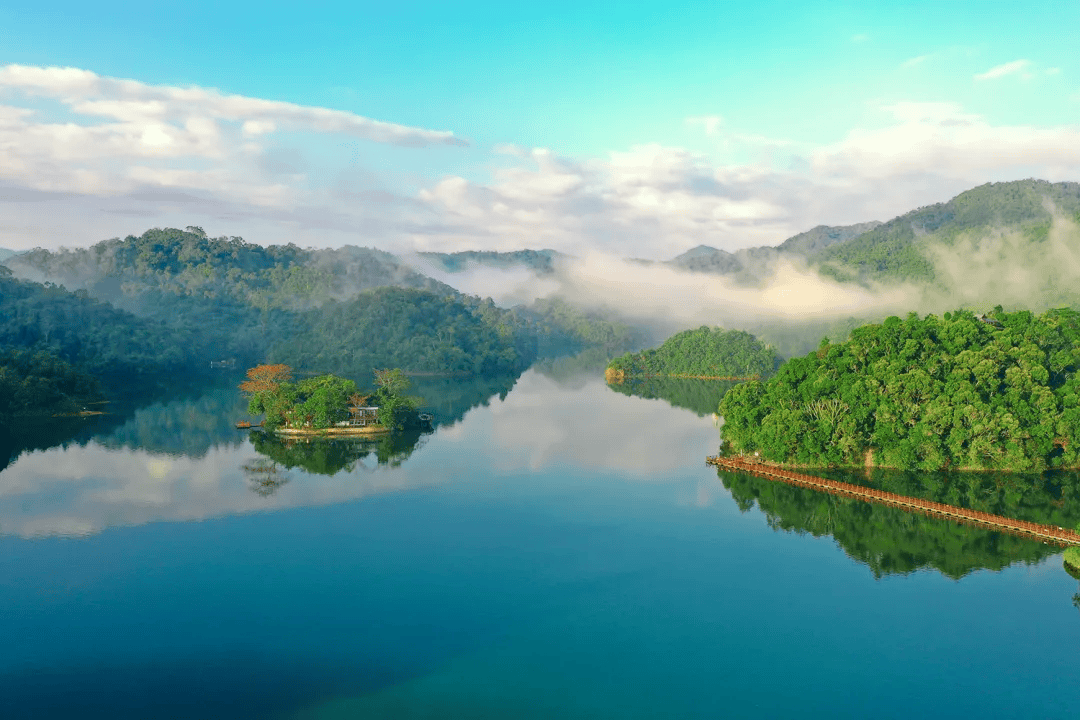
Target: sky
x,y
636,130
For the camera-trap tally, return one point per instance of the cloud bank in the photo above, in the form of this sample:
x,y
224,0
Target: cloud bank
x,y
84,157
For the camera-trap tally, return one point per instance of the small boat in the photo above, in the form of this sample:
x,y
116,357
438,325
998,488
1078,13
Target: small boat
x,y
245,425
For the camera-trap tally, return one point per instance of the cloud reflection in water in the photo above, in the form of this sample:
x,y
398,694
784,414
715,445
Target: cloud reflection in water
x,y
541,424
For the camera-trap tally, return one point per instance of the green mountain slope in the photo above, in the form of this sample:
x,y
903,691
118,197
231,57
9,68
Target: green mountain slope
x,y
410,329
188,264
901,249
92,335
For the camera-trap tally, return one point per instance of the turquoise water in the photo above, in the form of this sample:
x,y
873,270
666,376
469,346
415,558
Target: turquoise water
x,y
561,551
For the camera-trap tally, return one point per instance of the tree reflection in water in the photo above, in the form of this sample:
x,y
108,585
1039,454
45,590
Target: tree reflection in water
x,y
264,476
891,541
700,396
323,455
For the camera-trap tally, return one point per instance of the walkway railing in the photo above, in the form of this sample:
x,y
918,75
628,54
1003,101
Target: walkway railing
x,y
1046,533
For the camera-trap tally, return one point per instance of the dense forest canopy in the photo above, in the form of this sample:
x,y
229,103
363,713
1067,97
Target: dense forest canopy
x,y
172,300
90,334
705,352
410,329
37,383
349,309
563,328
960,391
187,263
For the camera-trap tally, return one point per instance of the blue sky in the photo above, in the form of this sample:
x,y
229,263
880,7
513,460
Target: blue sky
x,y
634,129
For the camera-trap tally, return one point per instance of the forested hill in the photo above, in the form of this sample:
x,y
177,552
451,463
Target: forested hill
x,y
410,329
134,272
906,247
90,334
37,383
999,392
899,249
710,352
219,298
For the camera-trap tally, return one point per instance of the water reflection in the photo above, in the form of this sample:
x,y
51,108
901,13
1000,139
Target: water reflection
x,y
329,456
700,396
579,423
447,399
183,460
891,541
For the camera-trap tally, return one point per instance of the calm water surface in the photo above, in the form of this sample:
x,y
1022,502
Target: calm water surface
x,y
558,551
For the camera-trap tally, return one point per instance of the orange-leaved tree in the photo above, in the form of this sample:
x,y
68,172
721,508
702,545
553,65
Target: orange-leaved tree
x,y
268,386
266,378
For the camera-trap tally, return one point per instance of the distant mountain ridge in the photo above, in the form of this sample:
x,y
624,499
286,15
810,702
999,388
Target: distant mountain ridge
x,y
753,263
897,249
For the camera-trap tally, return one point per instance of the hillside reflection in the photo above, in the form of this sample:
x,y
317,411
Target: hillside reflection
x,y
700,396
891,541
184,460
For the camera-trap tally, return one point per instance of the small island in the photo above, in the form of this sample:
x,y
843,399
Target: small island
x,y
707,353
996,391
328,405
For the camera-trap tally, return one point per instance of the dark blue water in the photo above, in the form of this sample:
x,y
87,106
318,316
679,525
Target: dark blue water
x,y
564,552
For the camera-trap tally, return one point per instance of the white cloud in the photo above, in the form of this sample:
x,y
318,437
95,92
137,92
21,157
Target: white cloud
x,y
912,62
940,140
85,157
1010,68
656,201
121,136
130,101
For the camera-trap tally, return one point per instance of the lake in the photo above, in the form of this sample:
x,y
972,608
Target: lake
x,y
553,549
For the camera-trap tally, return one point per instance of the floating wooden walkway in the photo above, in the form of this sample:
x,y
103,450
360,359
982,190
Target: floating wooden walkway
x,y
1023,528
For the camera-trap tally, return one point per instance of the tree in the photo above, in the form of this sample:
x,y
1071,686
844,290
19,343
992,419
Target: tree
x,y
266,378
392,381
395,409
269,388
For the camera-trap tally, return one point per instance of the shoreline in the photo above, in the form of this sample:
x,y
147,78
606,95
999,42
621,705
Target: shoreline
x,y
333,431
872,466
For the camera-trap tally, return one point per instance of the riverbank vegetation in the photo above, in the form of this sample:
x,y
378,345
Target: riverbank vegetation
x,y
991,392
707,352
